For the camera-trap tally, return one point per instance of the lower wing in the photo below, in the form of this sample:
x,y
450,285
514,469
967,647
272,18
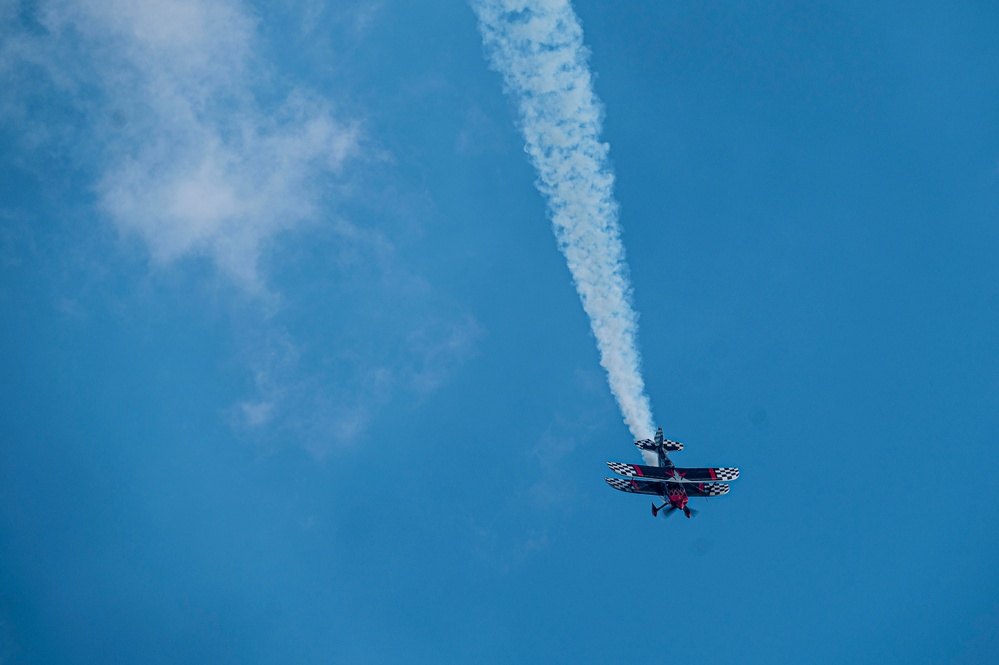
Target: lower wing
x,y
658,487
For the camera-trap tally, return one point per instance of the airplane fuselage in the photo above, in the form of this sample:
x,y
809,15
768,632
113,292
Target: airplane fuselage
x,y
675,495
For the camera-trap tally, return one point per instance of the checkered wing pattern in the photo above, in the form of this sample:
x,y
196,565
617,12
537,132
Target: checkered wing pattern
x,y
668,446
624,469
727,473
675,474
635,486
706,489
646,444
716,489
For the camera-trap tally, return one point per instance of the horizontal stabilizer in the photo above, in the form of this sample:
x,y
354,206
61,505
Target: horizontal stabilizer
x,y
675,474
646,444
668,446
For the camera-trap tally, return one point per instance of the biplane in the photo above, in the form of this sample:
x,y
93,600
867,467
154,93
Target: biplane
x,y
674,484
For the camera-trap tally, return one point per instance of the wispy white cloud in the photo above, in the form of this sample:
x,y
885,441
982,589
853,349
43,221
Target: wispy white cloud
x,y
199,148
537,45
194,146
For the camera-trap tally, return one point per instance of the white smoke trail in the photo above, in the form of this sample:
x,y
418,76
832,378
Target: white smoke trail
x,y
537,45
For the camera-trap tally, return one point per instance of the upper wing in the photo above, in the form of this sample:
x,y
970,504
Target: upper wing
x,y
675,474
637,486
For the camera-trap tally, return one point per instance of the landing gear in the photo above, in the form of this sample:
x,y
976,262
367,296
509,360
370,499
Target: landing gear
x,y
666,513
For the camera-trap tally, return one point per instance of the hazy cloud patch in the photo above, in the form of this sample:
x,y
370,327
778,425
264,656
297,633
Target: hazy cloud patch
x,y
326,396
210,162
197,147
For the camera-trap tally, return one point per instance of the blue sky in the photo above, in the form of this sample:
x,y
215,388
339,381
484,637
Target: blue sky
x,y
292,367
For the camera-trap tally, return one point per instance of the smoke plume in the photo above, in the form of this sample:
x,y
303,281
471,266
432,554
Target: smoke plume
x,y
537,46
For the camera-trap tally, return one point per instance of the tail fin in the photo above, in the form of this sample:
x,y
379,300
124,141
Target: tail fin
x,y
663,446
